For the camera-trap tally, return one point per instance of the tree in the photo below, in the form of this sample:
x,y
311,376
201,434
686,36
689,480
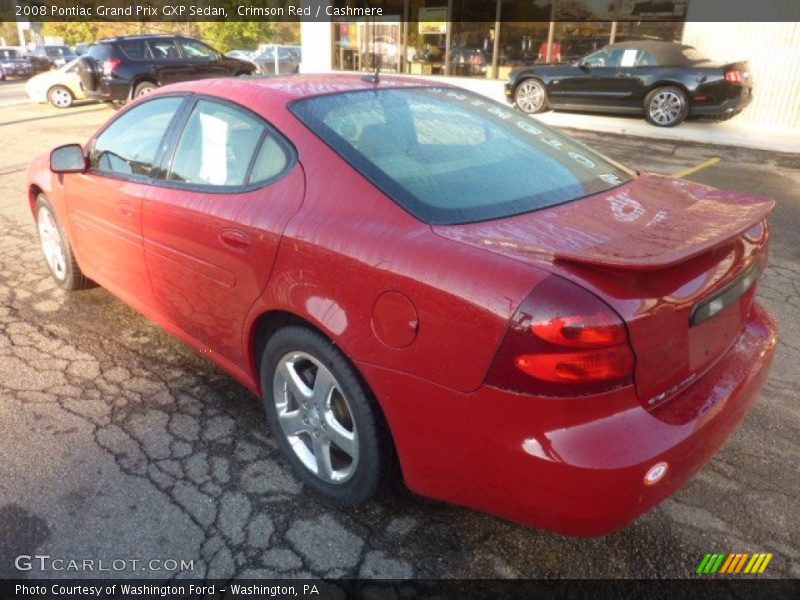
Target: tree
x,y
237,35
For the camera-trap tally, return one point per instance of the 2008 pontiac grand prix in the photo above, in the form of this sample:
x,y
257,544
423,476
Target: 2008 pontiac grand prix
x,y
420,283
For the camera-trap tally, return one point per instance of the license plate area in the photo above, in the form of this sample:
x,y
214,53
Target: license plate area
x,y
715,304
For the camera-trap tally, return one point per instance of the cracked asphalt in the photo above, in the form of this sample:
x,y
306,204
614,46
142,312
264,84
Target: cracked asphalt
x,y
119,442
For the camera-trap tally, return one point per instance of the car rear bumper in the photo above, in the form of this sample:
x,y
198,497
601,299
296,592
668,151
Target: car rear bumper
x,y
110,91
575,466
726,109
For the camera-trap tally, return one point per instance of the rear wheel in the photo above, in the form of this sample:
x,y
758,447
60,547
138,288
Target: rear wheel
x,y
60,97
325,422
144,88
56,249
666,106
530,96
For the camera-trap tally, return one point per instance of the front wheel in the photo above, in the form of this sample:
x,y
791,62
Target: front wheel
x,y
60,97
326,423
530,96
666,106
57,250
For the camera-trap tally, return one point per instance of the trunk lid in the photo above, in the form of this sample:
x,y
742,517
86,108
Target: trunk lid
x,y
657,250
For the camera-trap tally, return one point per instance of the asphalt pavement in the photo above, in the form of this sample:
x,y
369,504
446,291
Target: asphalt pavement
x,y
12,92
119,442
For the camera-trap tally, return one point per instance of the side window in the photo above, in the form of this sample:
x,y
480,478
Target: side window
x,y
130,144
645,59
218,145
597,59
197,50
133,49
164,49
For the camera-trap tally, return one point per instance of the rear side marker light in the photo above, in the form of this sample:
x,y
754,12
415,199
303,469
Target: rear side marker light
x,y
656,473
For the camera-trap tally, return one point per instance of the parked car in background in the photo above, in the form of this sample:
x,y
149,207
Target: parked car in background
x,y
14,64
419,282
121,68
278,60
60,87
664,81
468,61
81,49
57,56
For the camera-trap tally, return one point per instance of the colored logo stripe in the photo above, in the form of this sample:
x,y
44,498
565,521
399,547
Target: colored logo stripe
x,y
734,563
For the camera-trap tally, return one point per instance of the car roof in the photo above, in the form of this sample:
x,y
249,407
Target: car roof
x,y
295,87
663,52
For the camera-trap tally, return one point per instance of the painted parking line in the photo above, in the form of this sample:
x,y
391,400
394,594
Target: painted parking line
x,y
703,165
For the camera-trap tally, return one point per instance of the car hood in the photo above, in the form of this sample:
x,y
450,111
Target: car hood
x,y
651,222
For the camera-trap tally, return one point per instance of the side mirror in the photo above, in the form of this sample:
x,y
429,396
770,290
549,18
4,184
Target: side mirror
x,y
68,159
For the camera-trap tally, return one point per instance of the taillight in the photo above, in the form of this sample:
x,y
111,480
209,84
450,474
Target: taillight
x,y
563,341
733,77
110,65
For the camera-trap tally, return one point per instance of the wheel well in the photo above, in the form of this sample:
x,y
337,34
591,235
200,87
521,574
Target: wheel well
x,y
33,193
141,80
526,78
675,84
59,85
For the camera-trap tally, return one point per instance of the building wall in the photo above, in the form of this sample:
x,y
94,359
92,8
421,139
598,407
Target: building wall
x,y
773,50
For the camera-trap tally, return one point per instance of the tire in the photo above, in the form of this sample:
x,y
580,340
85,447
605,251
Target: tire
x,y
531,96
666,106
307,420
60,96
143,88
57,250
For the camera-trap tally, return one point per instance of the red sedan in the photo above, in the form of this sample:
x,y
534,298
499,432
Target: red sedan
x,y
423,283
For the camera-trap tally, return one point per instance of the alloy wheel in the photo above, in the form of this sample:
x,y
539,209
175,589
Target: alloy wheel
x,y
530,96
51,243
665,107
315,417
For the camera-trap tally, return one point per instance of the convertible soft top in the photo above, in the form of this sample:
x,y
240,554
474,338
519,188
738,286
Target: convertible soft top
x,y
665,53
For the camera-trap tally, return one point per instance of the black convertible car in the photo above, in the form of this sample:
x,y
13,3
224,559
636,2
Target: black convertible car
x,y
664,81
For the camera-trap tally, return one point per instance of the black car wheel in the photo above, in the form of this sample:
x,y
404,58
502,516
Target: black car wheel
x,y
144,88
666,106
326,423
530,96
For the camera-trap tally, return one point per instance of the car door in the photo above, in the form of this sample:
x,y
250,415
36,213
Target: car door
x,y
203,61
104,205
170,65
594,82
637,70
212,227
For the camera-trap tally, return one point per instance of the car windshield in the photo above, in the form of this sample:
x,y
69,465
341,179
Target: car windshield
x,y
8,53
449,156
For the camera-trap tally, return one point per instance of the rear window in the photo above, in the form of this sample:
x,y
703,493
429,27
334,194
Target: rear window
x,y
8,53
449,156
99,51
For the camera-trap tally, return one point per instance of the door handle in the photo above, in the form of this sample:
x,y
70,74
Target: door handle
x,y
235,239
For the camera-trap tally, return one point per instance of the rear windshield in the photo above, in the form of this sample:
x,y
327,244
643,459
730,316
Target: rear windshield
x,y
99,51
8,53
450,156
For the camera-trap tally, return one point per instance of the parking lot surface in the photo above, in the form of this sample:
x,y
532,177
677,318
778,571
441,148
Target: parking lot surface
x,y
119,442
